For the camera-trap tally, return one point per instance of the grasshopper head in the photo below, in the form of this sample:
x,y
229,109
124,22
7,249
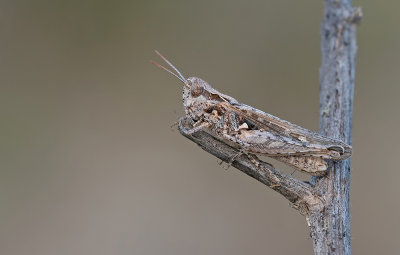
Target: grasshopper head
x,y
196,97
196,87
196,92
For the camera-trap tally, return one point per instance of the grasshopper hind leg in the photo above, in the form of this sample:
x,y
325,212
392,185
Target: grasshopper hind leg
x,y
311,165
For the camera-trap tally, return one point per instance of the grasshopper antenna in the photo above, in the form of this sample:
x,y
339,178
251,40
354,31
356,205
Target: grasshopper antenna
x,y
167,70
169,63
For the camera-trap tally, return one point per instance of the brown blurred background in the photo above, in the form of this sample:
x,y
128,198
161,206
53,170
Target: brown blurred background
x,y
89,164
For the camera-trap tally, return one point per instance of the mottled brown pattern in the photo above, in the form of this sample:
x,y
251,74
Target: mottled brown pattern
x,y
259,133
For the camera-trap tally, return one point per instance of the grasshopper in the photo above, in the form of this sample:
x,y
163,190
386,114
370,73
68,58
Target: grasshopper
x,y
254,132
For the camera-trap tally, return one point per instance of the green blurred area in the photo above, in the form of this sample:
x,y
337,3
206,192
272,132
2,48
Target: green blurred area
x,y
89,164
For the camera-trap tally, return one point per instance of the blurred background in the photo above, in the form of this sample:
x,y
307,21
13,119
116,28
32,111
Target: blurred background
x,y
89,164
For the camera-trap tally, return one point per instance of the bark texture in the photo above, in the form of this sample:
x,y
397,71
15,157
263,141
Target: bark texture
x,y
323,200
330,227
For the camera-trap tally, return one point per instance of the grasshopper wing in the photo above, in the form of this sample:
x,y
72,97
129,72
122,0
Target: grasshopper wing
x,y
330,148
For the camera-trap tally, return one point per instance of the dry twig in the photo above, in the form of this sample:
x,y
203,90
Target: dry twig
x,y
324,200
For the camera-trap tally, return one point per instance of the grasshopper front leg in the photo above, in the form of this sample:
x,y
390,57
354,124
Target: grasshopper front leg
x,y
198,126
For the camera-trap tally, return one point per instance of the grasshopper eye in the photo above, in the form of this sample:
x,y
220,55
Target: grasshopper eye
x,y
196,90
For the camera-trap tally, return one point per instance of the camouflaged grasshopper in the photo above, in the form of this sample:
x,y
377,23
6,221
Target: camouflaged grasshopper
x,y
253,131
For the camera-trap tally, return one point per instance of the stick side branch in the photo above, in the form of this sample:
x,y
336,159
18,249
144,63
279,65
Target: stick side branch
x,y
297,192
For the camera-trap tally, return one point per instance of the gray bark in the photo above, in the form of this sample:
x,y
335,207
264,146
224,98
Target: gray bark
x,y
330,227
323,200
